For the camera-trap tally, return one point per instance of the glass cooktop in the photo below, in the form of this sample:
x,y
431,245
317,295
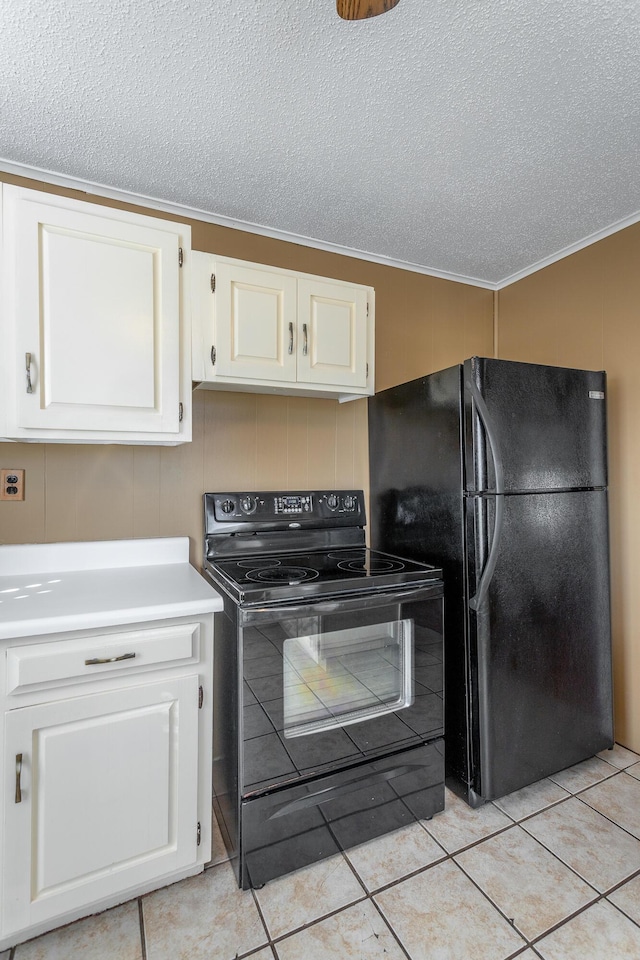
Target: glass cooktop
x,y
280,576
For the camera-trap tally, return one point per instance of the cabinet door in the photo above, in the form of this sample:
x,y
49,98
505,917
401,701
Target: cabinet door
x,y
255,323
93,310
108,796
332,333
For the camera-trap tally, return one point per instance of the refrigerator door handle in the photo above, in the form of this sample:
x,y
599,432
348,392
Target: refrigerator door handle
x,y
487,574
485,419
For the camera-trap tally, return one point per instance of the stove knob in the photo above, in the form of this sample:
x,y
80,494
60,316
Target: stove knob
x,y
228,506
332,501
248,504
350,503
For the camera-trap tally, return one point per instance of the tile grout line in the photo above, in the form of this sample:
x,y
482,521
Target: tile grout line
x,y
395,936
591,903
593,810
263,921
376,906
509,920
599,896
528,816
617,886
620,910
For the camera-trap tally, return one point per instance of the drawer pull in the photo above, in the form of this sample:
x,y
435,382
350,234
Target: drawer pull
x,y
18,775
95,660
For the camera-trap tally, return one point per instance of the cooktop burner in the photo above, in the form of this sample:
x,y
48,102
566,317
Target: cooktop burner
x,y
371,564
281,574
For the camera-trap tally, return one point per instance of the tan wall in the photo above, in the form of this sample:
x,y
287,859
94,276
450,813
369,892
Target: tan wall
x,y
583,312
86,492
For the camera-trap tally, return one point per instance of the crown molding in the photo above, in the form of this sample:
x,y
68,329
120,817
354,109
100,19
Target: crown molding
x,y
567,251
193,213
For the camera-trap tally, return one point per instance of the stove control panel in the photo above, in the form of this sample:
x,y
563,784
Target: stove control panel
x,y
310,508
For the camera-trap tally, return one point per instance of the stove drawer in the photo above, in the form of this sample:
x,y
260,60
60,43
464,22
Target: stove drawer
x,y
87,657
289,829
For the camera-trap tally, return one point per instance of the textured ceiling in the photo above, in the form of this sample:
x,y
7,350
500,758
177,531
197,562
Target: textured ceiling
x,y
464,138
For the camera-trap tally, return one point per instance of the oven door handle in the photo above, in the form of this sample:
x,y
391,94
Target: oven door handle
x,y
374,598
319,797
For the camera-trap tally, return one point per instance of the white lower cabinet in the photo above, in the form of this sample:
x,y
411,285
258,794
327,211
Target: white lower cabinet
x,y
106,783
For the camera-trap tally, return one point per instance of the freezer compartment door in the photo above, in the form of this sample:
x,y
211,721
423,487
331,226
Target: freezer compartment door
x,y
539,636
532,427
415,466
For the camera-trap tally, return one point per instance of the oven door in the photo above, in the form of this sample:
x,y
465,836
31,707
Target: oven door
x,y
338,682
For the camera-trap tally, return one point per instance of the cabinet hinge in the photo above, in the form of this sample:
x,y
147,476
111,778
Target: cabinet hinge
x,y
180,256
200,697
213,283
180,412
213,356
198,834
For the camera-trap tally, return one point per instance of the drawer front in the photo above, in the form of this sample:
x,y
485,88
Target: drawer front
x,y
89,657
285,830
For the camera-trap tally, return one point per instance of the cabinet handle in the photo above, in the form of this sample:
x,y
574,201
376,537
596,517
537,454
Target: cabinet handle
x,y
305,346
123,656
27,357
18,775
290,338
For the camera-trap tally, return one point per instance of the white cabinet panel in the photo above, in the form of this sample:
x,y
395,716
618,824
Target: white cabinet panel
x,y
108,796
333,349
257,316
86,360
95,333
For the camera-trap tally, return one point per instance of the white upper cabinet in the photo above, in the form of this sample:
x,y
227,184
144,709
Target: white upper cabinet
x,y
257,311
332,333
95,334
262,329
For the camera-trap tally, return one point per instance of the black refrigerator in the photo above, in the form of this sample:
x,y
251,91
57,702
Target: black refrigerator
x,y
497,471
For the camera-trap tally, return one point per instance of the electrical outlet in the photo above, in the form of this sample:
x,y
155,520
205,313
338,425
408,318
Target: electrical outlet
x,y
11,484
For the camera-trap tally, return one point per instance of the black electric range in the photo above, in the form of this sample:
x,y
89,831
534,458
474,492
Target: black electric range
x,y
328,678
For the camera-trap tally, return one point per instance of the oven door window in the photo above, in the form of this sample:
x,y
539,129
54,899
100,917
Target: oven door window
x,y
337,678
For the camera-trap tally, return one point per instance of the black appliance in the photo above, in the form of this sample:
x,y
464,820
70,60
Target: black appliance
x,y
497,472
328,712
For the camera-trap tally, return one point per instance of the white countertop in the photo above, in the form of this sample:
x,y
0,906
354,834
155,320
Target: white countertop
x,y
56,587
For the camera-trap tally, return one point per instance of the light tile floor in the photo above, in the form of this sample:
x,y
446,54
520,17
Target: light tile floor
x,y
551,872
